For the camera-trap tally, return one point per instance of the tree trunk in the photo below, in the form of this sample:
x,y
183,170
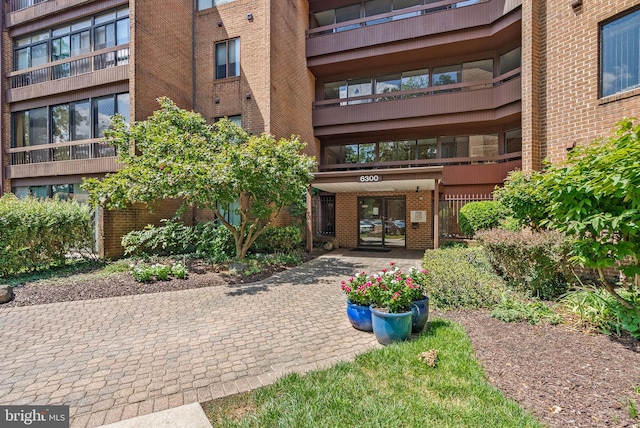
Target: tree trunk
x,y
612,290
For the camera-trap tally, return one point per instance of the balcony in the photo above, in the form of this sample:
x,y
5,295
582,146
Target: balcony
x,y
15,5
463,103
79,72
446,28
67,158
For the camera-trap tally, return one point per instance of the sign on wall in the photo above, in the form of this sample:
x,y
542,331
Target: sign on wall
x,y
374,178
418,216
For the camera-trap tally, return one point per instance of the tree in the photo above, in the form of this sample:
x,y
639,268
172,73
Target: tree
x,y
524,195
178,155
595,197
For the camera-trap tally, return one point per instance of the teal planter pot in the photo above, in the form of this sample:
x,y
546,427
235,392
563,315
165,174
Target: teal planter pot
x,y
389,328
359,316
420,311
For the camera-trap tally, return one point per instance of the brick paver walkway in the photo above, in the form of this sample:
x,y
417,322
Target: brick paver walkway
x,y
116,358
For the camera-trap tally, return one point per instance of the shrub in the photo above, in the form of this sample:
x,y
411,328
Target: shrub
x,y
461,278
599,309
37,234
525,197
172,238
143,272
278,239
482,215
510,310
214,242
535,262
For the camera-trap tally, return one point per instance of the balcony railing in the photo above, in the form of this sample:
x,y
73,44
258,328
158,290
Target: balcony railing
x,y
408,12
508,157
68,67
421,92
71,150
13,5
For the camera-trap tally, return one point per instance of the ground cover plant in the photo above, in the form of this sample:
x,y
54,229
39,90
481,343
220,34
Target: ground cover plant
x,y
388,387
514,309
461,278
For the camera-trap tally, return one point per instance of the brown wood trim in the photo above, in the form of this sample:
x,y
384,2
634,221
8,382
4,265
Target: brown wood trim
x,y
70,167
49,14
71,89
53,145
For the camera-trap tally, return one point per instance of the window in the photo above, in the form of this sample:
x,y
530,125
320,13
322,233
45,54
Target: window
x,y
454,147
231,212
428,148
483,145
510,60
228,59
513,141
447,75
208,4
620,54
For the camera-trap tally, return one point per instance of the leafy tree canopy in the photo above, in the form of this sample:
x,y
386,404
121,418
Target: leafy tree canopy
x,y
178,155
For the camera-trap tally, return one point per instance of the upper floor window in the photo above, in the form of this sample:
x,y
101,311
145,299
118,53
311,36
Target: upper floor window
x,y
620,54
510,60
208,4
228,58
78,38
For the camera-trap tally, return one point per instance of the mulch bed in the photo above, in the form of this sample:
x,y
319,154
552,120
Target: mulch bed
x,y
563,375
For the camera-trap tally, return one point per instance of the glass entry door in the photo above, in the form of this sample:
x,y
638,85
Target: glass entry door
x,y
381,222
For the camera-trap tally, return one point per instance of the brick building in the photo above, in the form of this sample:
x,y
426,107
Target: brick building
x,y
410,106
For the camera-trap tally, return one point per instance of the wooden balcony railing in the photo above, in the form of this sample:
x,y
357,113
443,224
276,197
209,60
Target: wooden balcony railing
x,y
68,150
73,66
408,12
508,157
421,92
13,5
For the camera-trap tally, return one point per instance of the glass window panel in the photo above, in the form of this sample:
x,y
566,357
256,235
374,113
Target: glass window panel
x,y
60,123
415,79
23,57
60,48
105,109
477,71
81,25
81,120
104,36
388,83
358,88
335,90
387,151
39,192
40,37
367,153
205,4
510,61
38,129
122,32
61,191
513,141
105,18
483,145
23,42
237,119
123,105
351,153
60,31
427,148
406,150
446,75
347,13
20,129
80,195
448,147
402,4
20,192
39,55
324,18
377,7
620,55
221,60
333,155
80,43
234,57
123,12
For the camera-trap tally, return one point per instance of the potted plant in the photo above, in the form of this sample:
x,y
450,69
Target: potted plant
x,y
358,291
420,300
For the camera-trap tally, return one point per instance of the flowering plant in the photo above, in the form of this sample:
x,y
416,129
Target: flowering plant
x,y
390,289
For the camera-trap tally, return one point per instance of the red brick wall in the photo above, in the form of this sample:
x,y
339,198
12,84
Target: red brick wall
x,y
347,226
574,111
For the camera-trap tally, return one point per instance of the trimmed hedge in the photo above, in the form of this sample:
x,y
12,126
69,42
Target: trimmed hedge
x,y
482,215
37,234
461,278
278,239
536,262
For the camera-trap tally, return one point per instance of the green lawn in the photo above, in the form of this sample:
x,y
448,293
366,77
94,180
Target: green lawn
x,y
388,387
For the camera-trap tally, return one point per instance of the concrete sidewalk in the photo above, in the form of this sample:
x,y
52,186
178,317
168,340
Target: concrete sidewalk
x,y
118,358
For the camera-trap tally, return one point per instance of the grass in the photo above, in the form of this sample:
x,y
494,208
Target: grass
x,y
389,387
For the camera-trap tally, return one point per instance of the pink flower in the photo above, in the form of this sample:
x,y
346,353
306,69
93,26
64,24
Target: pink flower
x,y
351,279
384,271
392,263
348,289
424,271
396,295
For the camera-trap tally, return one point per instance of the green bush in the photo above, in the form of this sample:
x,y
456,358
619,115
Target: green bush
x,y
461,278
37,234
278,239
482,215
172,238
511,310
535,262
599,309
214,242
525,197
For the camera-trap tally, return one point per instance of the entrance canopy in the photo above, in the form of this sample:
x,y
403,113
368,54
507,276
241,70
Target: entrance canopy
x,y
378,180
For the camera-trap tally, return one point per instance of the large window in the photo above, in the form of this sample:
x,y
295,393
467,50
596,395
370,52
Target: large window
x,y
228,59
620,54
78,38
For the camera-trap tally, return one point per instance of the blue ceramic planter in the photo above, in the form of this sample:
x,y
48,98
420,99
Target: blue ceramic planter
x,y
420,311
359,316
389,328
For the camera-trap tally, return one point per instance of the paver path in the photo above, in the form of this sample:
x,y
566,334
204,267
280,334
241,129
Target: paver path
x,y
116,358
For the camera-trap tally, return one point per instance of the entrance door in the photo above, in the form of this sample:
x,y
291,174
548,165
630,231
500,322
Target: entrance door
x,y
381,222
